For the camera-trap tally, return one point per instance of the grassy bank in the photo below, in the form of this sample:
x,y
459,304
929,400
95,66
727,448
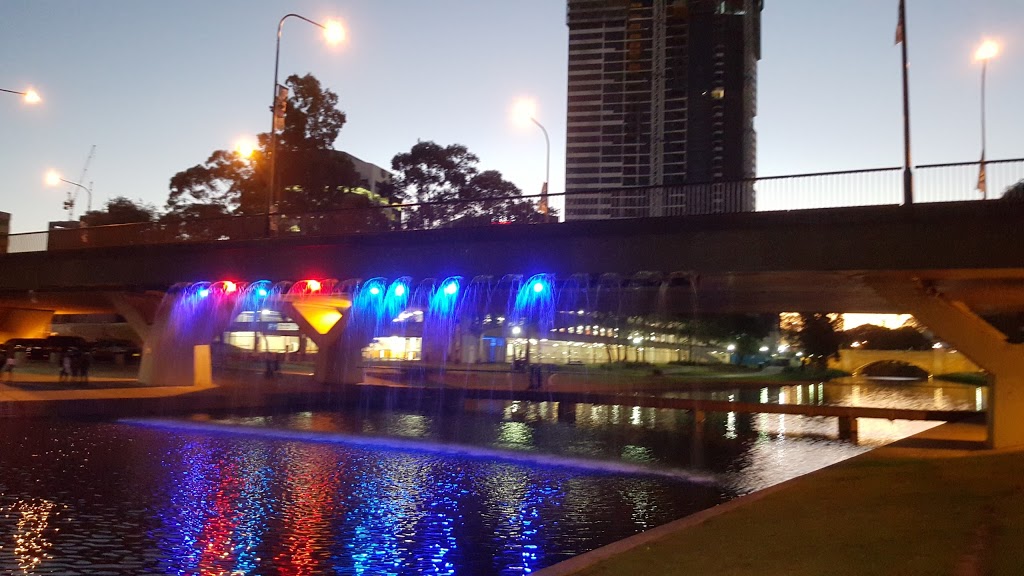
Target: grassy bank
x,y
872,515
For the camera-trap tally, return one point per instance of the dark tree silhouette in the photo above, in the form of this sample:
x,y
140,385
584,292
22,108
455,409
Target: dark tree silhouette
x,y
452,192
818,338
1015,192
119,210
311,175
871,337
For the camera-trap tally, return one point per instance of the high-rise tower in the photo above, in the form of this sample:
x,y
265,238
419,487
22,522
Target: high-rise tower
x,y
662,95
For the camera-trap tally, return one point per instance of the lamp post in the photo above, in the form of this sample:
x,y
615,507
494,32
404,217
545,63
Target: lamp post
x,y
53,179
334,33
524,110
988,50
30,96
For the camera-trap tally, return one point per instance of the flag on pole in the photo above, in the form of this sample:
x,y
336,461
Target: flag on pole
x,y
899,24
982,177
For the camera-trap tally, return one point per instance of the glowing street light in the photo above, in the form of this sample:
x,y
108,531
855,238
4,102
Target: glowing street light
x,y
30,96
245,147
334,33
523,111
53,178
988,50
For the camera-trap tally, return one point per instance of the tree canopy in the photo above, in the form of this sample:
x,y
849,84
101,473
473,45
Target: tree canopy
x,y
119,210
311,175
450,190
1015,192
818,338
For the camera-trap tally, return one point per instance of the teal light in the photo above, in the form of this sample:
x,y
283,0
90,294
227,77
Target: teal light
x,y
451,288
400,290
375,291
538,286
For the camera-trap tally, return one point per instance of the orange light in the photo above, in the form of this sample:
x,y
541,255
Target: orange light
x,y
334,32
245,147
524,111
989,49
229,287
313,285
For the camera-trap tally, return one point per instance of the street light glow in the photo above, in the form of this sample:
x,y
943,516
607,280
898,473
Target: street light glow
x,y
245,147
52,178
32,97
524,111
334,32
988,50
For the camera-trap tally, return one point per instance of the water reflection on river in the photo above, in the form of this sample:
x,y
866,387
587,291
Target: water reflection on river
x,y
120,499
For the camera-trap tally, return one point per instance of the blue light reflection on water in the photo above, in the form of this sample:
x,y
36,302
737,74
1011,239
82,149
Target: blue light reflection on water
x,y
187,502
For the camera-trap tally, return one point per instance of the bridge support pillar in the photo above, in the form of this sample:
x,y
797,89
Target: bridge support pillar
x,y
338,360
567,412
847,428
978,340
24,323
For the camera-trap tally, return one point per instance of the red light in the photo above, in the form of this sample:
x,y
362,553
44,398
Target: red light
x,y
314,285
229,287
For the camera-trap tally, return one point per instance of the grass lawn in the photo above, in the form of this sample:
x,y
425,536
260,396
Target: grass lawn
x,y
871,515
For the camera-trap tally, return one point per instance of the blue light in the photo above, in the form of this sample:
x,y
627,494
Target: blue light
x,y
262,291
204,292
538,286
374,290
399,290
451,288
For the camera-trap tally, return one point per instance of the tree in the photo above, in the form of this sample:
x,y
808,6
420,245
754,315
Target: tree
x,y
450,191
871,337
1015,192
745,331
818,338
119,210
311,175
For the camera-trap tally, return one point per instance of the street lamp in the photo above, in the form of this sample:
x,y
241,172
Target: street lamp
x,y
334,33
30,96
989,49
53,179
526,109
245,147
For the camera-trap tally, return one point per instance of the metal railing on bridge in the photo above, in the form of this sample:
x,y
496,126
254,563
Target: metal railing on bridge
x,y
878,186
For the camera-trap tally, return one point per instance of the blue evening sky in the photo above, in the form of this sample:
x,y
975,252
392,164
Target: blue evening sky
x,y
157,86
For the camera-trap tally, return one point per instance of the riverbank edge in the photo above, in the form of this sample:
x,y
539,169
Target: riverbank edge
x,y
947,440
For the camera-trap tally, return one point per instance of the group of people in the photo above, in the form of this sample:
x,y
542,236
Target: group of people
x,y
74,365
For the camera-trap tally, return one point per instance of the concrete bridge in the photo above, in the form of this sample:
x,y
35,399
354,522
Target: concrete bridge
x,y
951,265
934,362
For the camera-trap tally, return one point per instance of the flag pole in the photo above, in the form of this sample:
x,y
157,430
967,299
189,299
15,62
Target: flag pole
x,y
908,176
982,177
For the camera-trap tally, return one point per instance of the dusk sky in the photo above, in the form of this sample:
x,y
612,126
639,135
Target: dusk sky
x,y
157,86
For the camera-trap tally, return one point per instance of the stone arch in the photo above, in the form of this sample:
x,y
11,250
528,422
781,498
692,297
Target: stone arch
x,y
925,369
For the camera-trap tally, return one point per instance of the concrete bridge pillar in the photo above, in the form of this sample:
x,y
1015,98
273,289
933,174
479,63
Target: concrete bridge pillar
x,y
955,323
339,355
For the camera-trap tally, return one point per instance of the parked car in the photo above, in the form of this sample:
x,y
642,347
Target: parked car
x,y
32,348
108,350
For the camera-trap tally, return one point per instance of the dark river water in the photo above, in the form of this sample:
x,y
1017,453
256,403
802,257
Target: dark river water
x,y
497,488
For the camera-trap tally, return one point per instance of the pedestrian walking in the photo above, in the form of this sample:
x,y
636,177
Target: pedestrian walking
x,y
65,367
83,366
9,365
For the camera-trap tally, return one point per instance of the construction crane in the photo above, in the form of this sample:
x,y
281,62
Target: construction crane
x,y
72,193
